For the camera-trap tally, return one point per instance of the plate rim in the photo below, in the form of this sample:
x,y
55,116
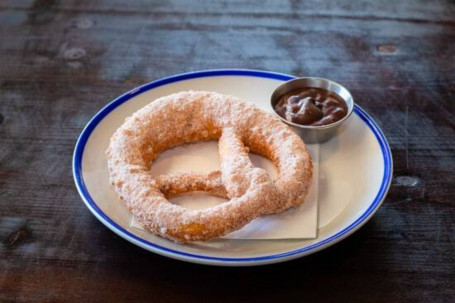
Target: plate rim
x,y
182,255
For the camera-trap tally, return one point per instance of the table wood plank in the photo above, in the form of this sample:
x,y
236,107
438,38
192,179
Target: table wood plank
x,y
61,61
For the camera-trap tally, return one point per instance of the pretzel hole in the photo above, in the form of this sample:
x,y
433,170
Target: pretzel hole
x,y
264,163
192,157
197,200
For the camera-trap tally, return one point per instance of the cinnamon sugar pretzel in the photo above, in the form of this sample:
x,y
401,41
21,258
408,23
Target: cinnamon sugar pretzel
x,y
240,128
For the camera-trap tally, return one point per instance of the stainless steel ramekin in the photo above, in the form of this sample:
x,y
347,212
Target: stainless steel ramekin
x,y
314,134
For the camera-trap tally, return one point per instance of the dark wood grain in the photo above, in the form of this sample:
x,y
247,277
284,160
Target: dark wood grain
x,y
61,61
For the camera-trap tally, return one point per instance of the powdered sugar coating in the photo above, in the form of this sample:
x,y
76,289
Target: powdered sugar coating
x,y
199,116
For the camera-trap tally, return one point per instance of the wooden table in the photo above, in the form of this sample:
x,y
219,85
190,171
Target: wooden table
x,y
61,61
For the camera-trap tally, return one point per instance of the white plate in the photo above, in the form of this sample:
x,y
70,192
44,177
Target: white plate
x,y
355,173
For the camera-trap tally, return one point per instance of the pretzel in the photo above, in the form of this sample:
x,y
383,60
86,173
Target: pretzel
x,y
240,128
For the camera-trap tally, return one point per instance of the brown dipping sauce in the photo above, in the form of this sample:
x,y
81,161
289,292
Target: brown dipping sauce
x,y
311,106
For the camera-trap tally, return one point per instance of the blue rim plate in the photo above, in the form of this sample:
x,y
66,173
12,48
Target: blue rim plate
x,y
214,260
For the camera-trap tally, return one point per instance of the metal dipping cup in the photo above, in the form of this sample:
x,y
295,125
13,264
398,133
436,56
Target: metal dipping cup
x,y
314,134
